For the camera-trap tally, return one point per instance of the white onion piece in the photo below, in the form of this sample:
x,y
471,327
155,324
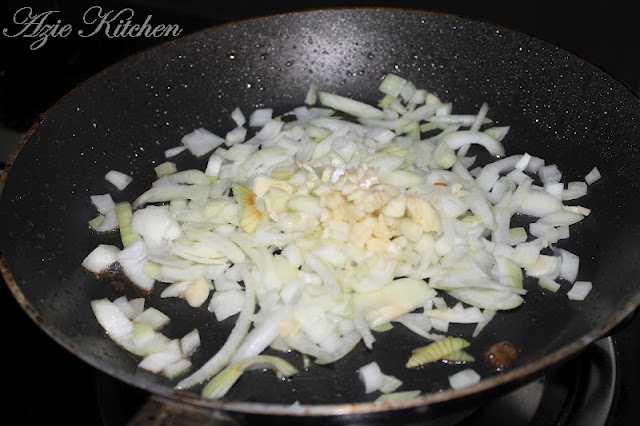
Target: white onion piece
x,y
523,162
225,304
397,396
190,177
155,224
158,361
213,165
574,190
147,341
498,132
201,141
132,260
198,193
569,266
239,332
260,117
593,176
123,304
490,174
349,106
327,215
517,176
487,298
136,305
100,258
548,266
363,329
235,136
549,284
544,231
303,114
109,222
261,336
172,152
555,188
549,174
467,137
462,119
561,218
153,317
487,316
118,179
375,380
539,204
457,314
579,290
104,203
238,117
535,163
464,378
270,129
190,342
392,85
220,384
115,323
177,368
577,209
176,289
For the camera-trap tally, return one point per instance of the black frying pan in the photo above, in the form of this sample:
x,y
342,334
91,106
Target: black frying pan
x,y
558,106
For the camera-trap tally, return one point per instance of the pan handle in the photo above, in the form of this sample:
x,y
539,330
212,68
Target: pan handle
x,y
159,411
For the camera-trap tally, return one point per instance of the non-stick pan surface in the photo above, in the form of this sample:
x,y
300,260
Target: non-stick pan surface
x,y
558,106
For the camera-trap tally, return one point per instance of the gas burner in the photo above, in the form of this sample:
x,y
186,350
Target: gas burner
x,y
581,391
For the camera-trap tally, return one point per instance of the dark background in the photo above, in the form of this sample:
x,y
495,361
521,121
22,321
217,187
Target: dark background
x,y
44,382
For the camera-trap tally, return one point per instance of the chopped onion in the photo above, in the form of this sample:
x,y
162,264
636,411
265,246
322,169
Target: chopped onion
x,y
172,152
177,368
574,190
220,384
349,106
580,290
132,260
225,304
153,317
201,141
326,224
397,396
260,117
118,179
116,324
165,169
549,174
464,378
457,314
104,203
375,380
593,176
101,258
468,137
222,357
569,266
190,342
238,117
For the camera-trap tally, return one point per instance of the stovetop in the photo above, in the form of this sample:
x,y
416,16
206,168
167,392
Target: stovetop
x,y
43,382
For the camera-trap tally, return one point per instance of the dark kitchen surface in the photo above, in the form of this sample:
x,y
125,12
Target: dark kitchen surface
x,y
46,383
